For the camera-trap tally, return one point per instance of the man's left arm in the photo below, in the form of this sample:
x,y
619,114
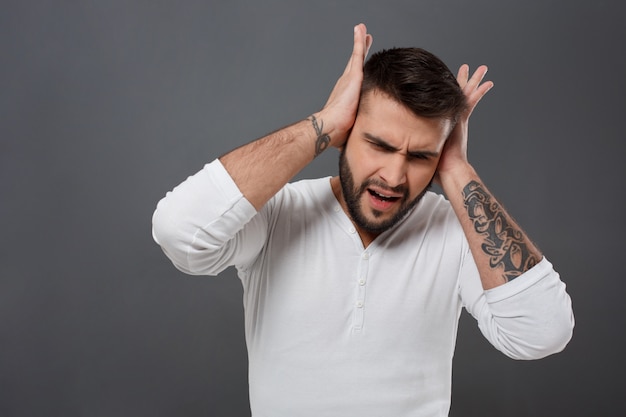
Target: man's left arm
x,y
530,318
501,250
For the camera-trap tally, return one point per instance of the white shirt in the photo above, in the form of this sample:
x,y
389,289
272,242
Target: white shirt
x,y
336,329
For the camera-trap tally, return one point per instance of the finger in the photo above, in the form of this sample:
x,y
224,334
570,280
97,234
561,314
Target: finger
x,y
463,75
475,96
355,52
476,78
356,49
368,44
480,92
359,51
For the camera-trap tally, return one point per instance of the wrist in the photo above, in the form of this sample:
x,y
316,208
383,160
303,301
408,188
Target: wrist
x,y
454,179
322,137
332,126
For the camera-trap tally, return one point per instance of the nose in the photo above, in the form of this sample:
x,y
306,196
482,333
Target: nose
x,y
394,170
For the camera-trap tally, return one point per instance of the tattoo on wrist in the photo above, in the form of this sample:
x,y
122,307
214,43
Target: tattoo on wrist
x,y
504,242
323,139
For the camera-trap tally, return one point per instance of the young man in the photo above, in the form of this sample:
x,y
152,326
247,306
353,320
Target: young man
x,y
353,285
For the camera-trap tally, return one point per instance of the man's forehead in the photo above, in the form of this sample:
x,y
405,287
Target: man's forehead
x,y
377,107
371,98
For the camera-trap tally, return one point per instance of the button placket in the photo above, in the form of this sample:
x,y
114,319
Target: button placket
x,y
361,281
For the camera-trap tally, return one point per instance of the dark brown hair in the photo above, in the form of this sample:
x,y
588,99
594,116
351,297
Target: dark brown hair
x,y
417,79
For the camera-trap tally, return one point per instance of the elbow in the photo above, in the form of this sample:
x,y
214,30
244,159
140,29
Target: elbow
x,y
168,235
540,342
560,335
163,228
558,331
179,242
553,345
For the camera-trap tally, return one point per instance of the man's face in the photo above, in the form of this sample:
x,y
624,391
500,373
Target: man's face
x,y
388,161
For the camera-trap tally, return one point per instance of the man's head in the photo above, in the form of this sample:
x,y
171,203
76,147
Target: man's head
x,y
410,102
416,79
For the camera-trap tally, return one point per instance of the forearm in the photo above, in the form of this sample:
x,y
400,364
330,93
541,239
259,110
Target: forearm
x,y
261,168
500,248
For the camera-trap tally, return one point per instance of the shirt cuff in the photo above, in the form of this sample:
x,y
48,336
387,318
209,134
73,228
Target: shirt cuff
x,y
529,278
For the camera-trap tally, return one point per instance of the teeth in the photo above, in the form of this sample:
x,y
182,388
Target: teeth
x,y
382,197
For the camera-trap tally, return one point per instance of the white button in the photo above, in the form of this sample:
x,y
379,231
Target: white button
x,y
337,208
359,304
352,230
361,282
366,255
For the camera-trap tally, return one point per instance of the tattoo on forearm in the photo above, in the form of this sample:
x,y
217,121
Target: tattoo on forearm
x,y
323,139
504,242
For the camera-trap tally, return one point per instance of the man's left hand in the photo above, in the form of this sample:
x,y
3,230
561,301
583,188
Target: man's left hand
x,y
454,155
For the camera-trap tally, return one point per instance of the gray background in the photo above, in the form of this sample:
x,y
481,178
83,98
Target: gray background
x,y
106,105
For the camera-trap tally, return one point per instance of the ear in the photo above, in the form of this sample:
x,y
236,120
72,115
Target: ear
x,y
345,143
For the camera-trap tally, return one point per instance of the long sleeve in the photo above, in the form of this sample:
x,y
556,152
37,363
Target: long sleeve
x,y
528,318
200,223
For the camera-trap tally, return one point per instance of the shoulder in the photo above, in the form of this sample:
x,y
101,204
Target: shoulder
x,y
314,188
308,191
301,196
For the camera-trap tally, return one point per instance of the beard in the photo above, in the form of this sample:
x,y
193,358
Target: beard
x,y
352,196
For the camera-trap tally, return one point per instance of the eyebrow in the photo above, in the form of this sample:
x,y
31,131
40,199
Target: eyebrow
x,y
387,146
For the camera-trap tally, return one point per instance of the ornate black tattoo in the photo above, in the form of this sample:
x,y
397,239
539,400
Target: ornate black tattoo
x,y
504,242
323,140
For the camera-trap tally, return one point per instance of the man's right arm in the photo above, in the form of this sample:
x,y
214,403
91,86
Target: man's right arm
x,y
199,224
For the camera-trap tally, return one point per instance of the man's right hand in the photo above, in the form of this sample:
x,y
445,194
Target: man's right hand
x,y
340,110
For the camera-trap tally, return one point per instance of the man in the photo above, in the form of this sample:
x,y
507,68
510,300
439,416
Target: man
x,y
353,285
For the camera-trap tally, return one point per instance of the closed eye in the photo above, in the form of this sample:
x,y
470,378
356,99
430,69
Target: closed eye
x,y
411,156
419,156
382,146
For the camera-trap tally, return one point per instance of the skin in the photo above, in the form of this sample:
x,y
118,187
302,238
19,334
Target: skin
x,y
500,248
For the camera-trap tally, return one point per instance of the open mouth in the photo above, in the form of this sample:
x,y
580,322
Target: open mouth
x,y
382,197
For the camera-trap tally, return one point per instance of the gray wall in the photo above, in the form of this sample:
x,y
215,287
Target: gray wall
x,y
106,105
